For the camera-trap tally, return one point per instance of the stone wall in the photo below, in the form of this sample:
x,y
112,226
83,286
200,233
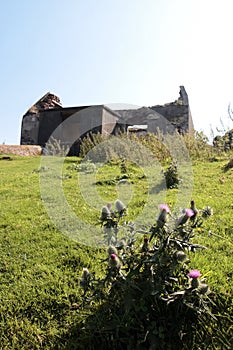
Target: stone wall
x,y
28,150
178,112
71,123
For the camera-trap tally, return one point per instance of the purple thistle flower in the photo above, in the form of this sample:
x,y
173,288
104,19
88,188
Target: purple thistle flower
x,y
164,207
189,212
114,262
194,274
163,215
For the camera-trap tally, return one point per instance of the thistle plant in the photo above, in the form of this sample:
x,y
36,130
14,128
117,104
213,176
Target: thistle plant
x,y
109,220
151,297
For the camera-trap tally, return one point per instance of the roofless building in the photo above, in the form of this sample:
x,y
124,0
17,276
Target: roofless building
x,y
48,118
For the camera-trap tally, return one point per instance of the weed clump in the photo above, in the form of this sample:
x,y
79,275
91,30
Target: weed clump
x,y
54,147
85,167
149,297
171,176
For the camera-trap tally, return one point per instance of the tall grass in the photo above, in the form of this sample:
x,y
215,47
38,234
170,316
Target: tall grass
x,y
160,145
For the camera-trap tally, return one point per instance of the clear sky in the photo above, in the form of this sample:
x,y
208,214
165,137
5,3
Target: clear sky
x,y
115,51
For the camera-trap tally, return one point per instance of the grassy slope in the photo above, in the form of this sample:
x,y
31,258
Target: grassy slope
x,y
40,267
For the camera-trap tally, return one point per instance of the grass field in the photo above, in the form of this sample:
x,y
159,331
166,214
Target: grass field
x,y
40,267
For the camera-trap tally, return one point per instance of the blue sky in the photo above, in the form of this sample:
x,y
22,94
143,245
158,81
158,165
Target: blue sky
x,y
124,51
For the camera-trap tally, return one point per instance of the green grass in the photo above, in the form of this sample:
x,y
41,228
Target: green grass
x,y
40,267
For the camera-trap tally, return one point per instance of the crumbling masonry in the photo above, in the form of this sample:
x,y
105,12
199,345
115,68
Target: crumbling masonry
x,y
47,116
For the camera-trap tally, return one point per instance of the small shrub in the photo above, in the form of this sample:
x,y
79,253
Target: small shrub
x,y
171,176
54,147
88,142
224,142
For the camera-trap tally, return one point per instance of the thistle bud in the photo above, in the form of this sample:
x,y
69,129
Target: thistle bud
x,y
163,215
109,206
105,213
85,279
194,209
120,206
111,250
145,247
207,211
114,262
203,288
181,256
184,217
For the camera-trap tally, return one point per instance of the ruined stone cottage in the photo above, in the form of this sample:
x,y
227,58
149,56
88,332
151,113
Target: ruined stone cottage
x,y
48,118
